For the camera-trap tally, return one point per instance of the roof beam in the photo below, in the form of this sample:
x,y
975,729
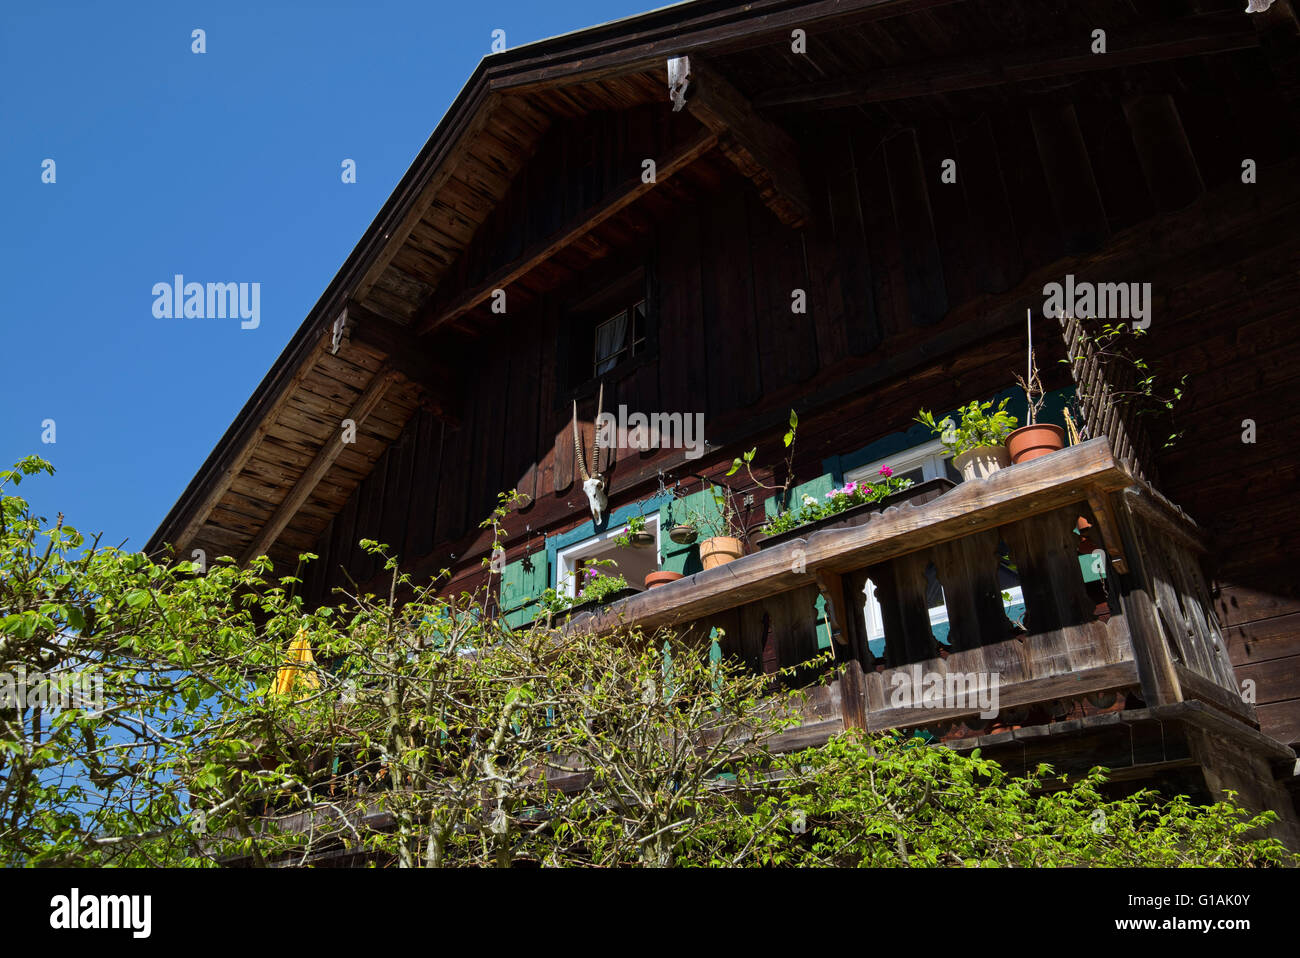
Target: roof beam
x,y
644,42
1193,36
406,354
435,314
760,149
314,473
235,458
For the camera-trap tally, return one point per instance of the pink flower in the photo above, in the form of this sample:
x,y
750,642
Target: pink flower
x,y
831,494
886,471
849,488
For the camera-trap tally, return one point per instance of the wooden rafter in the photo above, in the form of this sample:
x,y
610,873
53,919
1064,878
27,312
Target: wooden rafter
x,y
1191,37
311,477
437,315
238,457
404,353
646,41
760,149
422,194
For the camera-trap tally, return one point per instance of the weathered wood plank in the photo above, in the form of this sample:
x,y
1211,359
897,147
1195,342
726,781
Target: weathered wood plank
x,y
318,468
1025,490
760,149
632,189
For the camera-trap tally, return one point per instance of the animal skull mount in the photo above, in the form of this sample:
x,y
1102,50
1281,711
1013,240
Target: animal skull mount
x,y
593,483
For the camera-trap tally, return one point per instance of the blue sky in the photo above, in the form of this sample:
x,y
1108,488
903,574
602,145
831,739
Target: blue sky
x,y
222,166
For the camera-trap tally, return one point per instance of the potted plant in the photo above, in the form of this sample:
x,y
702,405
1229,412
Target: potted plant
x,y
1035,439
851,505
599,588
684,533
978,442
724,533
661,577
782,491
635,535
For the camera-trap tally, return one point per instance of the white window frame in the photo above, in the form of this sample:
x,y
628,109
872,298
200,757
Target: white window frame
x,y
566,559
930,456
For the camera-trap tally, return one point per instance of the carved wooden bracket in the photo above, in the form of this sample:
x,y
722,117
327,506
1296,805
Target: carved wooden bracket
x,y
831,585
1099,501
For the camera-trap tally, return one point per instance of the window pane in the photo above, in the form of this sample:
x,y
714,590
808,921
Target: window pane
x,y
611,341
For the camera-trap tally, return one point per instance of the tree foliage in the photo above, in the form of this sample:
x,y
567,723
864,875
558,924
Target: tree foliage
x,y
427,733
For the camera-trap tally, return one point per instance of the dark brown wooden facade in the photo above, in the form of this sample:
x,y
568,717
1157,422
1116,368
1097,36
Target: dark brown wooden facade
x,y
817,171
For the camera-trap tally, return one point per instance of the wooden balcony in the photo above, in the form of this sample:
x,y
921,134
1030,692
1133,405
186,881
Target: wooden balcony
x,y
1144,636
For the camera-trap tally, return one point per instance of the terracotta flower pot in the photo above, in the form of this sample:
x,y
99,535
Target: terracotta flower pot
x,y
1031,442
661,577
719,550
1085,544
981,462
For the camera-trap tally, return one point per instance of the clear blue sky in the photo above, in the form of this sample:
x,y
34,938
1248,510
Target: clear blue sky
x,y
224,167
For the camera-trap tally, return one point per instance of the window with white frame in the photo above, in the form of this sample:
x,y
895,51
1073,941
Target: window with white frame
x,y
633,563
929,460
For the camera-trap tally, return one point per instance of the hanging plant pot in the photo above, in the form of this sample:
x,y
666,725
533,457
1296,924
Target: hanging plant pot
x,y
981,462
683,534
1033,442
641,540
662,577
719,550
1086,544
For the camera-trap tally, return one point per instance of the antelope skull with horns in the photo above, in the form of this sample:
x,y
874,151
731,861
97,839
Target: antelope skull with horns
x,y
593,483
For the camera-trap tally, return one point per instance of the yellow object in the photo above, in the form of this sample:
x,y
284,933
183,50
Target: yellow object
x,y
1071,429
298,670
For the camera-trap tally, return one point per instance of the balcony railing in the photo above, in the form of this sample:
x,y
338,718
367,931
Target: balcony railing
x,y
1143,633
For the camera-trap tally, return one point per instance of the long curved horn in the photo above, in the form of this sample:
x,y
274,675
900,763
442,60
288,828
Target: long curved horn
x,y
595,435
577,443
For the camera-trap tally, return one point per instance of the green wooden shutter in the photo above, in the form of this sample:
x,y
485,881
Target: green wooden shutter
x,y
817,488
679,558
823,624
520,588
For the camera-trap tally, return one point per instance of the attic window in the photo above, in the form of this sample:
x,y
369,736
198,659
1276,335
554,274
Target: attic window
x,y
620,337
609,332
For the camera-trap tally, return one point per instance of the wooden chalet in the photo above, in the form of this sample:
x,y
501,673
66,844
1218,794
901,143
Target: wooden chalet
x,y
808,153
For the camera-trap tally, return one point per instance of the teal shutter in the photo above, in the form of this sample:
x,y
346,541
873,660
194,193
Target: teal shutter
x,y
823,625
521,587
817,488
679,558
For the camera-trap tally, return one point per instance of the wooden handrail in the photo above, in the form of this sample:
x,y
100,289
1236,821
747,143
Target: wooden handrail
x,y
1068,476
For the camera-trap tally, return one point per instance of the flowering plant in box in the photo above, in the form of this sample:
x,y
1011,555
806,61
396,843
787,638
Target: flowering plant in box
x,y
597,586
837,501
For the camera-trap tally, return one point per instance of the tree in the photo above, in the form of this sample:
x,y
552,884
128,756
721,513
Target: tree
x,y
425,732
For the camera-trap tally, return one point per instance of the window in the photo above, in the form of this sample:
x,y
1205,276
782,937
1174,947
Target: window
x,y
620,337
608,333
634,564
927,461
